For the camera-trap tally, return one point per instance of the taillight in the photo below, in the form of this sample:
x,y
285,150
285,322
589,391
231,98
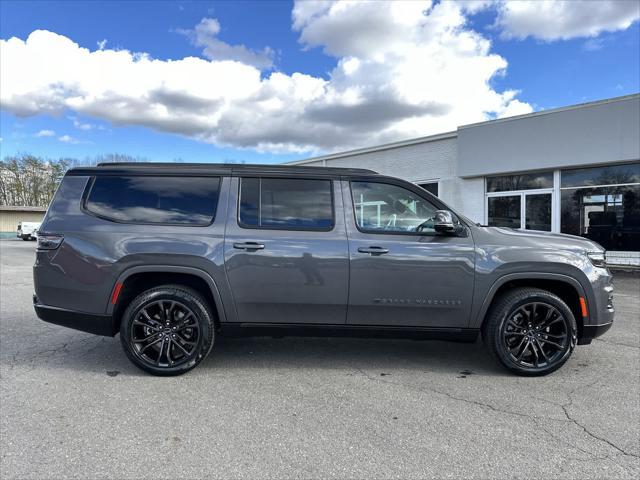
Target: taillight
x,y
49,241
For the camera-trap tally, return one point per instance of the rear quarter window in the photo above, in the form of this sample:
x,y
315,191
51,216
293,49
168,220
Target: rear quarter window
x,y
154,199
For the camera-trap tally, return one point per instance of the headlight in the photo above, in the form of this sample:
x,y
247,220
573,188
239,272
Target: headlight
x,y
598,259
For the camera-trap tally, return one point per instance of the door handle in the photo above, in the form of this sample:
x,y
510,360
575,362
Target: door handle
x,y
373,250
249,246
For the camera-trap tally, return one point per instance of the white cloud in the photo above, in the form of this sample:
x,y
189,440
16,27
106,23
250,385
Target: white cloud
x,y
205,34
513,108
81,126
403,70
68,139
565,19
46,133
593,44
102,43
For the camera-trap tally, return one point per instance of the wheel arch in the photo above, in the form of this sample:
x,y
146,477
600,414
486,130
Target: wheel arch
x,y
567,288
135,280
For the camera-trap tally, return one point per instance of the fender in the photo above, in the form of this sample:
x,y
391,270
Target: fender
x,y
175,269
527,276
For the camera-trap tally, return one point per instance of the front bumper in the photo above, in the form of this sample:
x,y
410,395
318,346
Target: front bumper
x,y
589,332
600,306
87,322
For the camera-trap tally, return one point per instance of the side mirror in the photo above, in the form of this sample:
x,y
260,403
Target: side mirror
x,y
443,222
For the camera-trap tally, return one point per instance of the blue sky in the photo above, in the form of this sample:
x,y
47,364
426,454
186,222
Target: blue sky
x,y
335,108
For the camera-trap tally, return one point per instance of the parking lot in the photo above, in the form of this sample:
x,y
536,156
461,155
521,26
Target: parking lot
x,y
72,406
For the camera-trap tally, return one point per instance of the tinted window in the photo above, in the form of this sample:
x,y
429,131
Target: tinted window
x,y
505,211
382,207
286,203
612,175
607,215
526,181
538,211
149,199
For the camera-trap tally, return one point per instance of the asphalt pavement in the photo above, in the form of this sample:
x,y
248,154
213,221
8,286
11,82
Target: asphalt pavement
x,y
72,406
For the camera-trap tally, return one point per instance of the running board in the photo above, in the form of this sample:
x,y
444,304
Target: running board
x,y
278,330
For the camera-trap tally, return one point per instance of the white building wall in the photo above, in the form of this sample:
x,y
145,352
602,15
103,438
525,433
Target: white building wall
x,y
580,135
464,195
418,162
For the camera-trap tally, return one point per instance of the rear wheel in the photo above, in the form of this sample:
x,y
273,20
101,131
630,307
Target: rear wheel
x,y
167,330
530,331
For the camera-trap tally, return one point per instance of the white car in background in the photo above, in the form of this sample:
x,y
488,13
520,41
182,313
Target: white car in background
x,y
28,230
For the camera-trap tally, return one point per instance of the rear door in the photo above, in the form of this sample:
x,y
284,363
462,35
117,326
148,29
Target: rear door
x,y
402,272
286,250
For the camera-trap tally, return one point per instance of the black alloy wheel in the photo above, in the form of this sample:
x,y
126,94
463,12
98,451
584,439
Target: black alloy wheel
x,y
167,330
165,333
530,331
536,335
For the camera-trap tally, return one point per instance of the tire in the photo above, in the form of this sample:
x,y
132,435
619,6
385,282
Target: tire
x,y
167,330
530,331
26,238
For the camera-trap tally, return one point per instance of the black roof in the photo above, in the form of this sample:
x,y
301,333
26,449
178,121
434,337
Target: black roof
x,y
119,168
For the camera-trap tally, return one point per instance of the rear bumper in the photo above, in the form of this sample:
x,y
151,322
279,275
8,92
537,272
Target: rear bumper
x,y
86,322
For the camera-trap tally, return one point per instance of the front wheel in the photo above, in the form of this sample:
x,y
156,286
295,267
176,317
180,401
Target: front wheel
x,y
167,330
530,331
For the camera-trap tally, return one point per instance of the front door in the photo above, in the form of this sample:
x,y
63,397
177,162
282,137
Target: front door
x,y
286,251
402,272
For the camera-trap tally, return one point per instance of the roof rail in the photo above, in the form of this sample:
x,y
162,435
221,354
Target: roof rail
x,y
231,168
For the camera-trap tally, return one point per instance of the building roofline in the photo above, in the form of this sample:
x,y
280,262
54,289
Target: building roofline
x,y
453,134
21,208
550,111
377,148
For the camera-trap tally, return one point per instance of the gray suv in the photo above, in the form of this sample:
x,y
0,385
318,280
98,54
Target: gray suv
x,y
172,255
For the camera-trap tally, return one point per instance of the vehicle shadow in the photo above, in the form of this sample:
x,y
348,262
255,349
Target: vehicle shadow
x,y
91,354
365,353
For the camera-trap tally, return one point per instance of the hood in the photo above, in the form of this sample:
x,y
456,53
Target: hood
x,y
536,238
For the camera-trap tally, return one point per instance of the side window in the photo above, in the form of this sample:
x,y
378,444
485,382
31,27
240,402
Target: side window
x,y
154,199
286,203
382,207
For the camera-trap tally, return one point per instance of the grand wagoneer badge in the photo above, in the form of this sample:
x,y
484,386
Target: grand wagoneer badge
x,y
431,302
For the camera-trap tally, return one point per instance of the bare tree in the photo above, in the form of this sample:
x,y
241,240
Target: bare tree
x,y
32,181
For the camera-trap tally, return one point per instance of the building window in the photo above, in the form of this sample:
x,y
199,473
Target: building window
x,y
524,181
521,201
431,187
603,204
505,211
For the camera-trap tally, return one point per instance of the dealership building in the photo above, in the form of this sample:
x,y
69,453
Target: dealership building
x,y
572,170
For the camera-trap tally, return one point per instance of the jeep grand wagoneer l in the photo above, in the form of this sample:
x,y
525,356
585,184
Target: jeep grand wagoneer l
x,y
173,255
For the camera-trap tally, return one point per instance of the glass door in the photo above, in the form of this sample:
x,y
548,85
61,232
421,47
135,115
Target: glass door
x,y
505,211
531,211
537,214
